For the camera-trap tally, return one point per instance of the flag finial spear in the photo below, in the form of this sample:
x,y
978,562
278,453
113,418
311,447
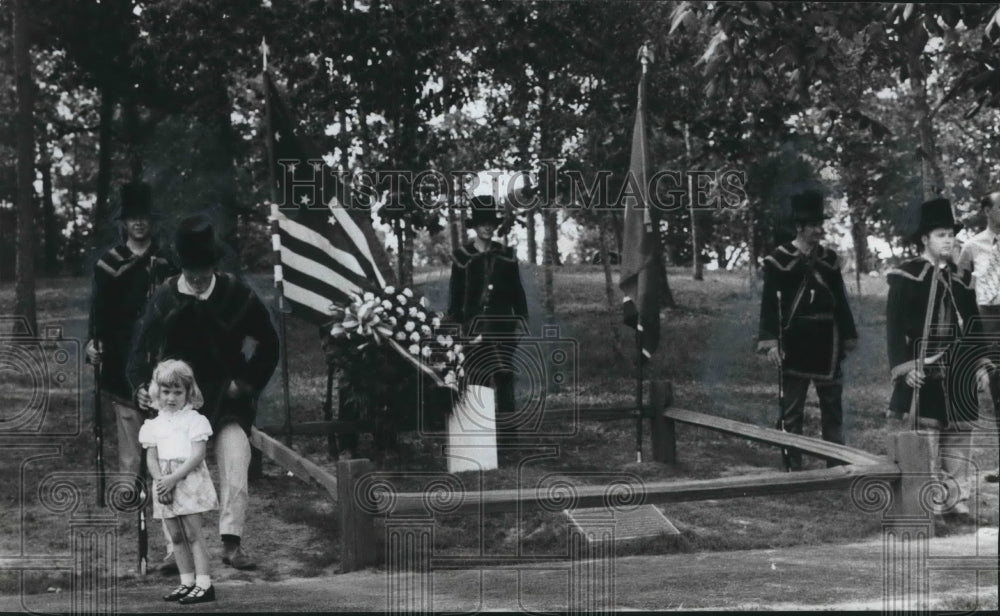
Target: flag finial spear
x,y
645,55
263,53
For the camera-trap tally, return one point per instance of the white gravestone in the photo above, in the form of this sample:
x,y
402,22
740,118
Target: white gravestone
x,y
472,435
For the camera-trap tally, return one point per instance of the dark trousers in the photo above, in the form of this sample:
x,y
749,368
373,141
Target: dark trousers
x,y
830,406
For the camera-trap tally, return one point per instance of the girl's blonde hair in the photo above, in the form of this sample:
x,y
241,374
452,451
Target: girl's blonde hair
x,y
176,372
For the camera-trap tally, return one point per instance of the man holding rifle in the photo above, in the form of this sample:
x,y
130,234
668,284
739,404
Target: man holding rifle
x,y
803,284
930,306
124,278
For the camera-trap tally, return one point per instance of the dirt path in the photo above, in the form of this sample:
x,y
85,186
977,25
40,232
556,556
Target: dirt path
x,y
840,577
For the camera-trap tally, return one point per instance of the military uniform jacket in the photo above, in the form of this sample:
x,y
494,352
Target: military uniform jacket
x,y
122,283
486,283
951,319
227,337
816,318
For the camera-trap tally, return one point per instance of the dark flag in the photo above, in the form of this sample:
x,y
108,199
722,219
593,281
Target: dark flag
x,y
327,248
642,272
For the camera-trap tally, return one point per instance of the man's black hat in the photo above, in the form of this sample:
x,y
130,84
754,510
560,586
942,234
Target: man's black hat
x,y
807,207
195,243
484,211
936,214
136,201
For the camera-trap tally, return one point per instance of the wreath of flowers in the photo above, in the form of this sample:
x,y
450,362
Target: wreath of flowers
x,y
396,318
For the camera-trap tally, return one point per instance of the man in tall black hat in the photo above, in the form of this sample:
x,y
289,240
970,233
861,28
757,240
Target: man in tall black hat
x,y
124,278
486,282
218,325
802,280
929,308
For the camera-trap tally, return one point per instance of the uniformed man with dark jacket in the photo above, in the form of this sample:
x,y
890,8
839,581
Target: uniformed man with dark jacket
x,y
218,325
930,307
486,297
817,327
124,278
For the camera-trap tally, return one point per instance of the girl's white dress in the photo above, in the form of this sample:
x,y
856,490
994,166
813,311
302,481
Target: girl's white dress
x,y
171,432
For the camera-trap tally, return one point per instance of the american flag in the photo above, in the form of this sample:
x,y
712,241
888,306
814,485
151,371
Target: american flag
x,y
326,251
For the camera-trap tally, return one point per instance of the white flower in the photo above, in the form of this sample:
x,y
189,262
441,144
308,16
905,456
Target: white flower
x,y
424,330
390,290
423,302
436,322
458,348
392,321
337,330
461,372
449,379
415,337
410,325
450,355
400,311
369,296
414,349
387,304
440,340
412,311
401,336
422,315
401,299
407,292
426,351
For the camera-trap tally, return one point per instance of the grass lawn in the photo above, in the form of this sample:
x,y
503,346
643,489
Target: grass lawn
x,y
707,352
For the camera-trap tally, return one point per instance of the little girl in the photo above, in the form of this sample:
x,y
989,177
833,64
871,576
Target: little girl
x,y
175,442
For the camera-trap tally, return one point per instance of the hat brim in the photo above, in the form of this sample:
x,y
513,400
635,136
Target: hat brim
x,y
922,231
200,258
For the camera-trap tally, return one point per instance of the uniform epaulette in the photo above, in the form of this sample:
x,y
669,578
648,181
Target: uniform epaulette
x,y
914,269
783,257
461,256
963,278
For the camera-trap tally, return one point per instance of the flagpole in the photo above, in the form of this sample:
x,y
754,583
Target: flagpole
x,y
644,58
276,246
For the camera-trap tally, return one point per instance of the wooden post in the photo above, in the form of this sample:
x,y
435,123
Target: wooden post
x,y
912,452
662,430
358,547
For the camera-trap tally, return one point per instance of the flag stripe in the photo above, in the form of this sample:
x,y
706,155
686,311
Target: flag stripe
x,y
298,231
304,290
324,276
346,222
317,255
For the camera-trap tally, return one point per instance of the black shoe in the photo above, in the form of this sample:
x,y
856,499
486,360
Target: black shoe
x,y
199,595
178,593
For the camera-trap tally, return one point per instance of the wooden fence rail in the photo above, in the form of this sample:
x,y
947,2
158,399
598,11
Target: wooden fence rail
x,y
365,496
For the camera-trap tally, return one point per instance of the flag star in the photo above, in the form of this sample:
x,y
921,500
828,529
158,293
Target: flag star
x,y
277,136
292,167
332,220
305,200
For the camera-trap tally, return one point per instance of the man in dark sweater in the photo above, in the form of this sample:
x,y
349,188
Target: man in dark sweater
x,y
817,327
124,278
219,326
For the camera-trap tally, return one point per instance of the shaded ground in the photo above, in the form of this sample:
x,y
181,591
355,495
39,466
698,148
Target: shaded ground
x,y
842,577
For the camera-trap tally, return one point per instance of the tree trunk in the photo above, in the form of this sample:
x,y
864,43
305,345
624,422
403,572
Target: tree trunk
x,y
101,218
24,275
933,177
529,220
616,226
609,288
50,230
548,260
